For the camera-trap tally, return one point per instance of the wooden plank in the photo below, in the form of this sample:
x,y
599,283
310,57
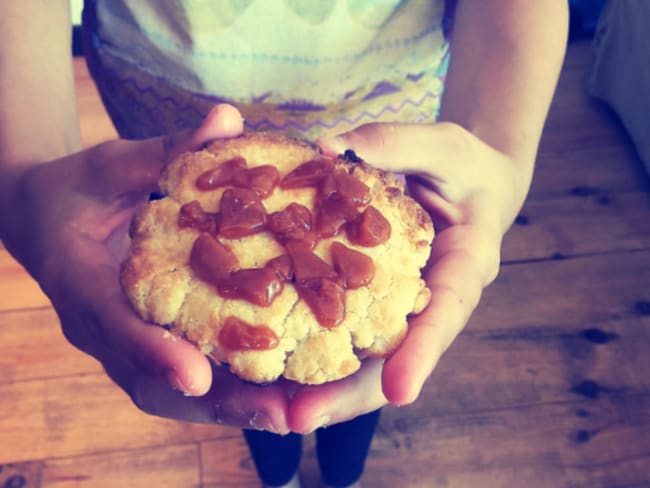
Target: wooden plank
x,y
586,290
549,332
167,466
576,120
17,289
588,443
592,171
82,415
227,464
32,346
584,443
572,130
26,475
509,368
583,143
584,223
95,124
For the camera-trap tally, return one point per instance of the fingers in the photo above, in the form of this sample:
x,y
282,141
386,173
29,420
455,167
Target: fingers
x,y
456,277
446,212
153,349
430,335
470,190
97,318
230,401
223,121
124,166
150,348
442,157
404,148
316,406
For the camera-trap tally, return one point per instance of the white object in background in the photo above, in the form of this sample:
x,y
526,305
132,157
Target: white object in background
x,y
76,6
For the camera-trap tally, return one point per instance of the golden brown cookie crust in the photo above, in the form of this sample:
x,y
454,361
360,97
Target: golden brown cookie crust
x,y
163,288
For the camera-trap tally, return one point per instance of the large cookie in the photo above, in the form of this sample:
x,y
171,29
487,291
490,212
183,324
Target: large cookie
x,y
277,272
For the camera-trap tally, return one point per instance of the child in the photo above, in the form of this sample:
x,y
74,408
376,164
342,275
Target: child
x,y
361,75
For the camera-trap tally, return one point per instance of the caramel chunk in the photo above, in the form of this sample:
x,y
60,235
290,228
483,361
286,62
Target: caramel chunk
x,y
347,186
354,267
294,223
256,285
211,261
281,266
370,229
261,179
242,213
221,175
332,213
307,265
326,299
193,216
238,335
308,174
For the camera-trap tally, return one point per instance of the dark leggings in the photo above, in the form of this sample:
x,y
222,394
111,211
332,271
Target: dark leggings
x,y
341,449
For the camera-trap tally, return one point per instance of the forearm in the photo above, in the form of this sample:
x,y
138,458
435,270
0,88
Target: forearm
x,y
38,121
505,61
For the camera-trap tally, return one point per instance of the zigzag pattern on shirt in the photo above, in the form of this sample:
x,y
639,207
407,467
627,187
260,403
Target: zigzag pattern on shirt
x,y
148,92
365,115
187,111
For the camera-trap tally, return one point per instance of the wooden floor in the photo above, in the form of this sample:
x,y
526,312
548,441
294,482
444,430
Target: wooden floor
x,y
549,385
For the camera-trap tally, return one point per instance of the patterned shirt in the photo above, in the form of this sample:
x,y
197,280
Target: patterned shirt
x,y
302,67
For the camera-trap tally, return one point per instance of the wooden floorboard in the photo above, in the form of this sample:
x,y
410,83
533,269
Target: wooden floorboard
x,y
543,445
546,387
83,414
165,466
17,289
588,221
32,347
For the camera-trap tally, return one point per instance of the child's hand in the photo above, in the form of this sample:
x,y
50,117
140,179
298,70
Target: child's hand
x,y
473,194
67,220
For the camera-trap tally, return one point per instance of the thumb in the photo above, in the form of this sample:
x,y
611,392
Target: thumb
x,y
134,166
444,163
222,122
440,151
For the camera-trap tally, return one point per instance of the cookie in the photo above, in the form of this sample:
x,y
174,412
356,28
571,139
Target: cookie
x,y
278,261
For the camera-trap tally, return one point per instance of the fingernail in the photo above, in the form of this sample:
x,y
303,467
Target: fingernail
x,y
332,146
174,381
